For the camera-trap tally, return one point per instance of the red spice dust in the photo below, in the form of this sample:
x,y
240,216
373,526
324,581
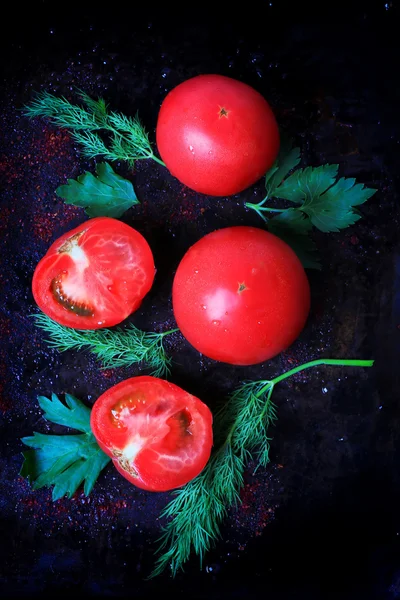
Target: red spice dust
x,y
43,226
107,373
7,170
50,143
40,505
255,511
46,222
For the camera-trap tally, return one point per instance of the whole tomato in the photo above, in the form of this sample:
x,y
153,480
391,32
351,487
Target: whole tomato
x,y
216,135
240,295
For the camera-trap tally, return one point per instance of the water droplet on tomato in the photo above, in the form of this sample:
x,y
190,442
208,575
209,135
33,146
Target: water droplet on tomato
x,y
258,322
226,312
225,331
204,306
196,271
215,322
100,322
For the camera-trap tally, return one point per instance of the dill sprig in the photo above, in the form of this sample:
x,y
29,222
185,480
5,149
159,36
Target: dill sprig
x,y
195,513
113,347
125,139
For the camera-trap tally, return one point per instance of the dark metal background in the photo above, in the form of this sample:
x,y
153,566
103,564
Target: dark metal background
x,y
323,520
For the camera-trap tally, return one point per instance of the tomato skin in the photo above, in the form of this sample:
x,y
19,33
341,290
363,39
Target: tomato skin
x,y
218,155
139,423
95,275
240,295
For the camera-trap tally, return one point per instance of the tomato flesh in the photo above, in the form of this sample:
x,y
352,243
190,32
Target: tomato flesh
x,y
216,135
95,275
240,295
158,435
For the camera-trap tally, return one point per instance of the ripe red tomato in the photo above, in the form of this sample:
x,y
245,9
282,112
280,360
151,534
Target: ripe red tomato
x,y
216,135
95,275
240,295
158,435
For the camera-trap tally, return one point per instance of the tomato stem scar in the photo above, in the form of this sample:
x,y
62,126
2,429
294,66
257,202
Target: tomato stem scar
x,y
223,112
242,287
71,242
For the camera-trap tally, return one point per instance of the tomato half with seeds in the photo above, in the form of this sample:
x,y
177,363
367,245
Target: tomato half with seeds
x,y
95,275
158,435
217,135
240,295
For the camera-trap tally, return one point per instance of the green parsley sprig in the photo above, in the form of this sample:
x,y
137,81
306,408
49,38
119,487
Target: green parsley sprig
x,y
321,200
105,194
64,461
113,347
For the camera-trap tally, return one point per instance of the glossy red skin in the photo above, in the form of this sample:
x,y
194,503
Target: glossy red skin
x,y
213,154
113,279
155,401
240,327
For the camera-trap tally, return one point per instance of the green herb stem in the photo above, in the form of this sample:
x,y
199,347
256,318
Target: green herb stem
x,y
315,363
158,160
169,332
260,207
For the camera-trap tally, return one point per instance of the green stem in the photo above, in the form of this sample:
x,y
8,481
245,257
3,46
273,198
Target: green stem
x,y
259,207
315,363
160,162
170,331
266,404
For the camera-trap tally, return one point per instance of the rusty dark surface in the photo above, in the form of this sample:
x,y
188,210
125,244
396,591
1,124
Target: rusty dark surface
x,y
322,521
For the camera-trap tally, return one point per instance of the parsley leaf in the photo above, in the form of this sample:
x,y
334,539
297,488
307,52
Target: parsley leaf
x,y
293,228
64,461
333,210
288,158
74,414
321,200
308,183
105,195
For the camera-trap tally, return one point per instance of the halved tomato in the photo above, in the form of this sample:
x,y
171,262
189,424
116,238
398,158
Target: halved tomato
x,y
95,275
158,435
